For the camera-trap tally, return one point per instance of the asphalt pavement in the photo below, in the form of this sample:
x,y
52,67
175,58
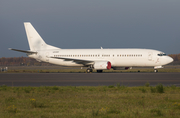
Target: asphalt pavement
x,y
88,79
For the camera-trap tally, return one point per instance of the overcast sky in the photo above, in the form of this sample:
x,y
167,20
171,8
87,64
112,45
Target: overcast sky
x,y
152,24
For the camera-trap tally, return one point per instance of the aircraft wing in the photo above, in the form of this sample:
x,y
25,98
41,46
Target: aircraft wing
x,y
78,61
25,51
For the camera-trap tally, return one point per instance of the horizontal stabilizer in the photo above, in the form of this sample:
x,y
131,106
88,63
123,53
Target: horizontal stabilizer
x,y
25,51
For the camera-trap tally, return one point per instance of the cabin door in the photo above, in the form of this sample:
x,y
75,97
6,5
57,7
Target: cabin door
x,y
150,56
47,56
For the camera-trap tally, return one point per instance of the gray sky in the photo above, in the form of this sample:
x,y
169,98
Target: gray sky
x,y
152,24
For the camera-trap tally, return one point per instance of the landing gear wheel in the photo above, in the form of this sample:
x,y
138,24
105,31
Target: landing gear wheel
x,y
89,70
155,71
99,71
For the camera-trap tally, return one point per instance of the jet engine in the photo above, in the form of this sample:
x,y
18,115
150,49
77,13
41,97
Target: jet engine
x,y
102,65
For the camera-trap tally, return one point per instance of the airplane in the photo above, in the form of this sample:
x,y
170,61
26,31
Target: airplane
x,y
97,59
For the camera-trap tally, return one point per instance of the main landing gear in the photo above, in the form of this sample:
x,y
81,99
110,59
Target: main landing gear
x,y
89,70
99,71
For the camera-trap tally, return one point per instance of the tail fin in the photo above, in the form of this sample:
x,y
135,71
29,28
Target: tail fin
x,y
35,40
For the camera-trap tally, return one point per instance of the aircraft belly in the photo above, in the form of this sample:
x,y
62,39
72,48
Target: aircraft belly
x,y
133,62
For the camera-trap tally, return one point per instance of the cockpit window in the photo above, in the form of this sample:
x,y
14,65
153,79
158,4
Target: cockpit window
x,y
162,54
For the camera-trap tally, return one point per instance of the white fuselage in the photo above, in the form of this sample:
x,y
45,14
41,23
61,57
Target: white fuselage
x,y
98,59
117,57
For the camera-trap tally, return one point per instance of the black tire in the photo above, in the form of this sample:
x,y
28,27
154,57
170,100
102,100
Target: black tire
x,y
155,70
99,71
89,70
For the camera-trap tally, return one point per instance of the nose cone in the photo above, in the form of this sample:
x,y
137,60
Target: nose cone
x,y
169,60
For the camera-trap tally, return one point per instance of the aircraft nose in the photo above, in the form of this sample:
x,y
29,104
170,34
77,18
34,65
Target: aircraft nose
x,y
169,59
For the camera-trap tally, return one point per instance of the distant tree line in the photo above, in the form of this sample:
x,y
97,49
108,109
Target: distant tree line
x,y
26,61
176,58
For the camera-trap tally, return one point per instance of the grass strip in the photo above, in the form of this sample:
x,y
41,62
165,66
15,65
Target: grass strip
x,y
85,101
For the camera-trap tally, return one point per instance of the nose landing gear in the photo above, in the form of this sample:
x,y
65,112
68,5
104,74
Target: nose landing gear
x,y
157,67
155,70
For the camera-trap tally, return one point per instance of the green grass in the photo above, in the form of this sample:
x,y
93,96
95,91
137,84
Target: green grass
x,y
84,101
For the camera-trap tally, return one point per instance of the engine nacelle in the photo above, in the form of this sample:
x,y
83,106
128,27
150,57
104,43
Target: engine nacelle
x,y
102,65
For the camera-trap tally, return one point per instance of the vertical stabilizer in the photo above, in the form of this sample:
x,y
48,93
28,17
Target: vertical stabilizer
x,y
34,39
